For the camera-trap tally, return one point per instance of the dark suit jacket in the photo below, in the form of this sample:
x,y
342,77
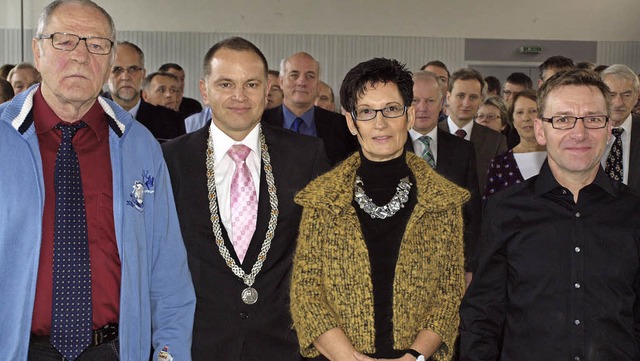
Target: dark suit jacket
x,y
225,328
163,123
189,106
331,128
487,143
634,155
457,163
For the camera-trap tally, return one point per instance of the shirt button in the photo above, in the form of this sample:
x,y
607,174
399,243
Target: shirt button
x,y
577,214
577,358
577,249
244,315
577,285
577,322
564,191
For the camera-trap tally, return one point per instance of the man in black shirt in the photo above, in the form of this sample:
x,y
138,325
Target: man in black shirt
x,y
558,275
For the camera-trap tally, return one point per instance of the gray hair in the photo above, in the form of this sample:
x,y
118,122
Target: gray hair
x,y
429,75
283,62
623,72
45,16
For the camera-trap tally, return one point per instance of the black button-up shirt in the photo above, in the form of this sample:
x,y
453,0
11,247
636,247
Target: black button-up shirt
x,y
557,280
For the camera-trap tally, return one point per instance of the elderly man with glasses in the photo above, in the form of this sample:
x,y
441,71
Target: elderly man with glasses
x,y
92,263
558,272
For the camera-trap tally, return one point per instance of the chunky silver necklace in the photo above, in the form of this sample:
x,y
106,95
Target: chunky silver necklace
x,y
388,210
249,295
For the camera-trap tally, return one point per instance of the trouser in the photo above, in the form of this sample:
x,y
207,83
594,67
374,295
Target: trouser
x,y
40,349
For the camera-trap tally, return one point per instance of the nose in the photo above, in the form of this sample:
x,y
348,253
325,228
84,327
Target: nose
x,y
81,52
616,100
579,131
239,94
379,122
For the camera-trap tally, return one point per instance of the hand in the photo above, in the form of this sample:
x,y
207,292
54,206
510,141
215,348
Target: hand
x,y
361,357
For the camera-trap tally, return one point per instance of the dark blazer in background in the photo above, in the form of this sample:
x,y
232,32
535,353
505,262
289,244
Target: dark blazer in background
x,y
225,328
331,128
487,143
457,163
163,123
189,106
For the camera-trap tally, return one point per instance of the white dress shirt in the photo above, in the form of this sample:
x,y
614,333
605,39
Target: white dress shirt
x,y
418,146
225,166
626,147
467,128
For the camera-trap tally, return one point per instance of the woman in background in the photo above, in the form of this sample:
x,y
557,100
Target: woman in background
x,y
525,159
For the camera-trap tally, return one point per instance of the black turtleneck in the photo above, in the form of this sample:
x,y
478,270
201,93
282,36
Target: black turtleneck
x,y
383,238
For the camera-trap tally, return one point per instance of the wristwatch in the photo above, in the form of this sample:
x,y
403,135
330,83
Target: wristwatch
x,y
418,356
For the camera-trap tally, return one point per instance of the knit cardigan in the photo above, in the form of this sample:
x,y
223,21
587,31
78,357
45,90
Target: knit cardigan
x,y
331,280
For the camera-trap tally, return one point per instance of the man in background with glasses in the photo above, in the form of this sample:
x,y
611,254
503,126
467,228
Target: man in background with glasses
x,y
125,84
558,272
92,263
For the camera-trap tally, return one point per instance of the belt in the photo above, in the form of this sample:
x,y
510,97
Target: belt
x,y
102,335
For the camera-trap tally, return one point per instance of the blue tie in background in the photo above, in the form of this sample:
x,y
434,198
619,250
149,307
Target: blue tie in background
x,y
295,126
71,314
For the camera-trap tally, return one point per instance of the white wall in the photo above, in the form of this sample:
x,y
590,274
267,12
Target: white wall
x,y
613,20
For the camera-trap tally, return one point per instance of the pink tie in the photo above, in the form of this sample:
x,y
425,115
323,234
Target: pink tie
x,y
244,203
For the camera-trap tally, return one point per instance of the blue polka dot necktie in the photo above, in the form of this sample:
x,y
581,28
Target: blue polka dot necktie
x,y
614,168
426,153
71,314
295,126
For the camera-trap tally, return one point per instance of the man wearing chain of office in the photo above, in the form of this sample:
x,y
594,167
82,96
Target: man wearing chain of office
x,y
234,182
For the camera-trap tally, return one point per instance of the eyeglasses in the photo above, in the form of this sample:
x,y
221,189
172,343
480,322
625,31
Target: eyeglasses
x,y
489,117
68,42
392,111
566,122
133,69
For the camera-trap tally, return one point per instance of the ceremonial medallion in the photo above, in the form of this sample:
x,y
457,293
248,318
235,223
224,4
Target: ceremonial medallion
x,y
249,295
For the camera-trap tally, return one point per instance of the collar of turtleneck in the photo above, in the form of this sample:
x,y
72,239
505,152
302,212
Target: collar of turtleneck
x,y
380,179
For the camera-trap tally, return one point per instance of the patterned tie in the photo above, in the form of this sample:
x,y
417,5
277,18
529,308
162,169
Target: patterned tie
x,y
244,203
426,153
71,314
461,133
295,126
614,167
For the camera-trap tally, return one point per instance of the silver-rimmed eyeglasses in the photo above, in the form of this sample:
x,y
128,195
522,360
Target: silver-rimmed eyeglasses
x,y
68,42
566,122
391,111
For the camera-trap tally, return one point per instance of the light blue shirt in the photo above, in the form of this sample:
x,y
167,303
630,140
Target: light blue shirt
x,y
308,125
198,120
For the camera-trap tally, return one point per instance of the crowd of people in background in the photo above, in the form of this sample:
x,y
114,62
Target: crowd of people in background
x,y
436,215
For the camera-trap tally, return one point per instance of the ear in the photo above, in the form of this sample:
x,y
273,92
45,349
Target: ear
x,y
36,53
144,96
448,96
539,132
203,91
350,122
411,117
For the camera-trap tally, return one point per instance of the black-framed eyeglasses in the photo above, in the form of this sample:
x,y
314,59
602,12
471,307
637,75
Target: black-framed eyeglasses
x,y
133,69
566,122
68,42
391,111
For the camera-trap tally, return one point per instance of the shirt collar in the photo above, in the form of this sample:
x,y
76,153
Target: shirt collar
x,y
223,142
626,125
46,119
453,127
433,134
289,117
134,111
546,182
